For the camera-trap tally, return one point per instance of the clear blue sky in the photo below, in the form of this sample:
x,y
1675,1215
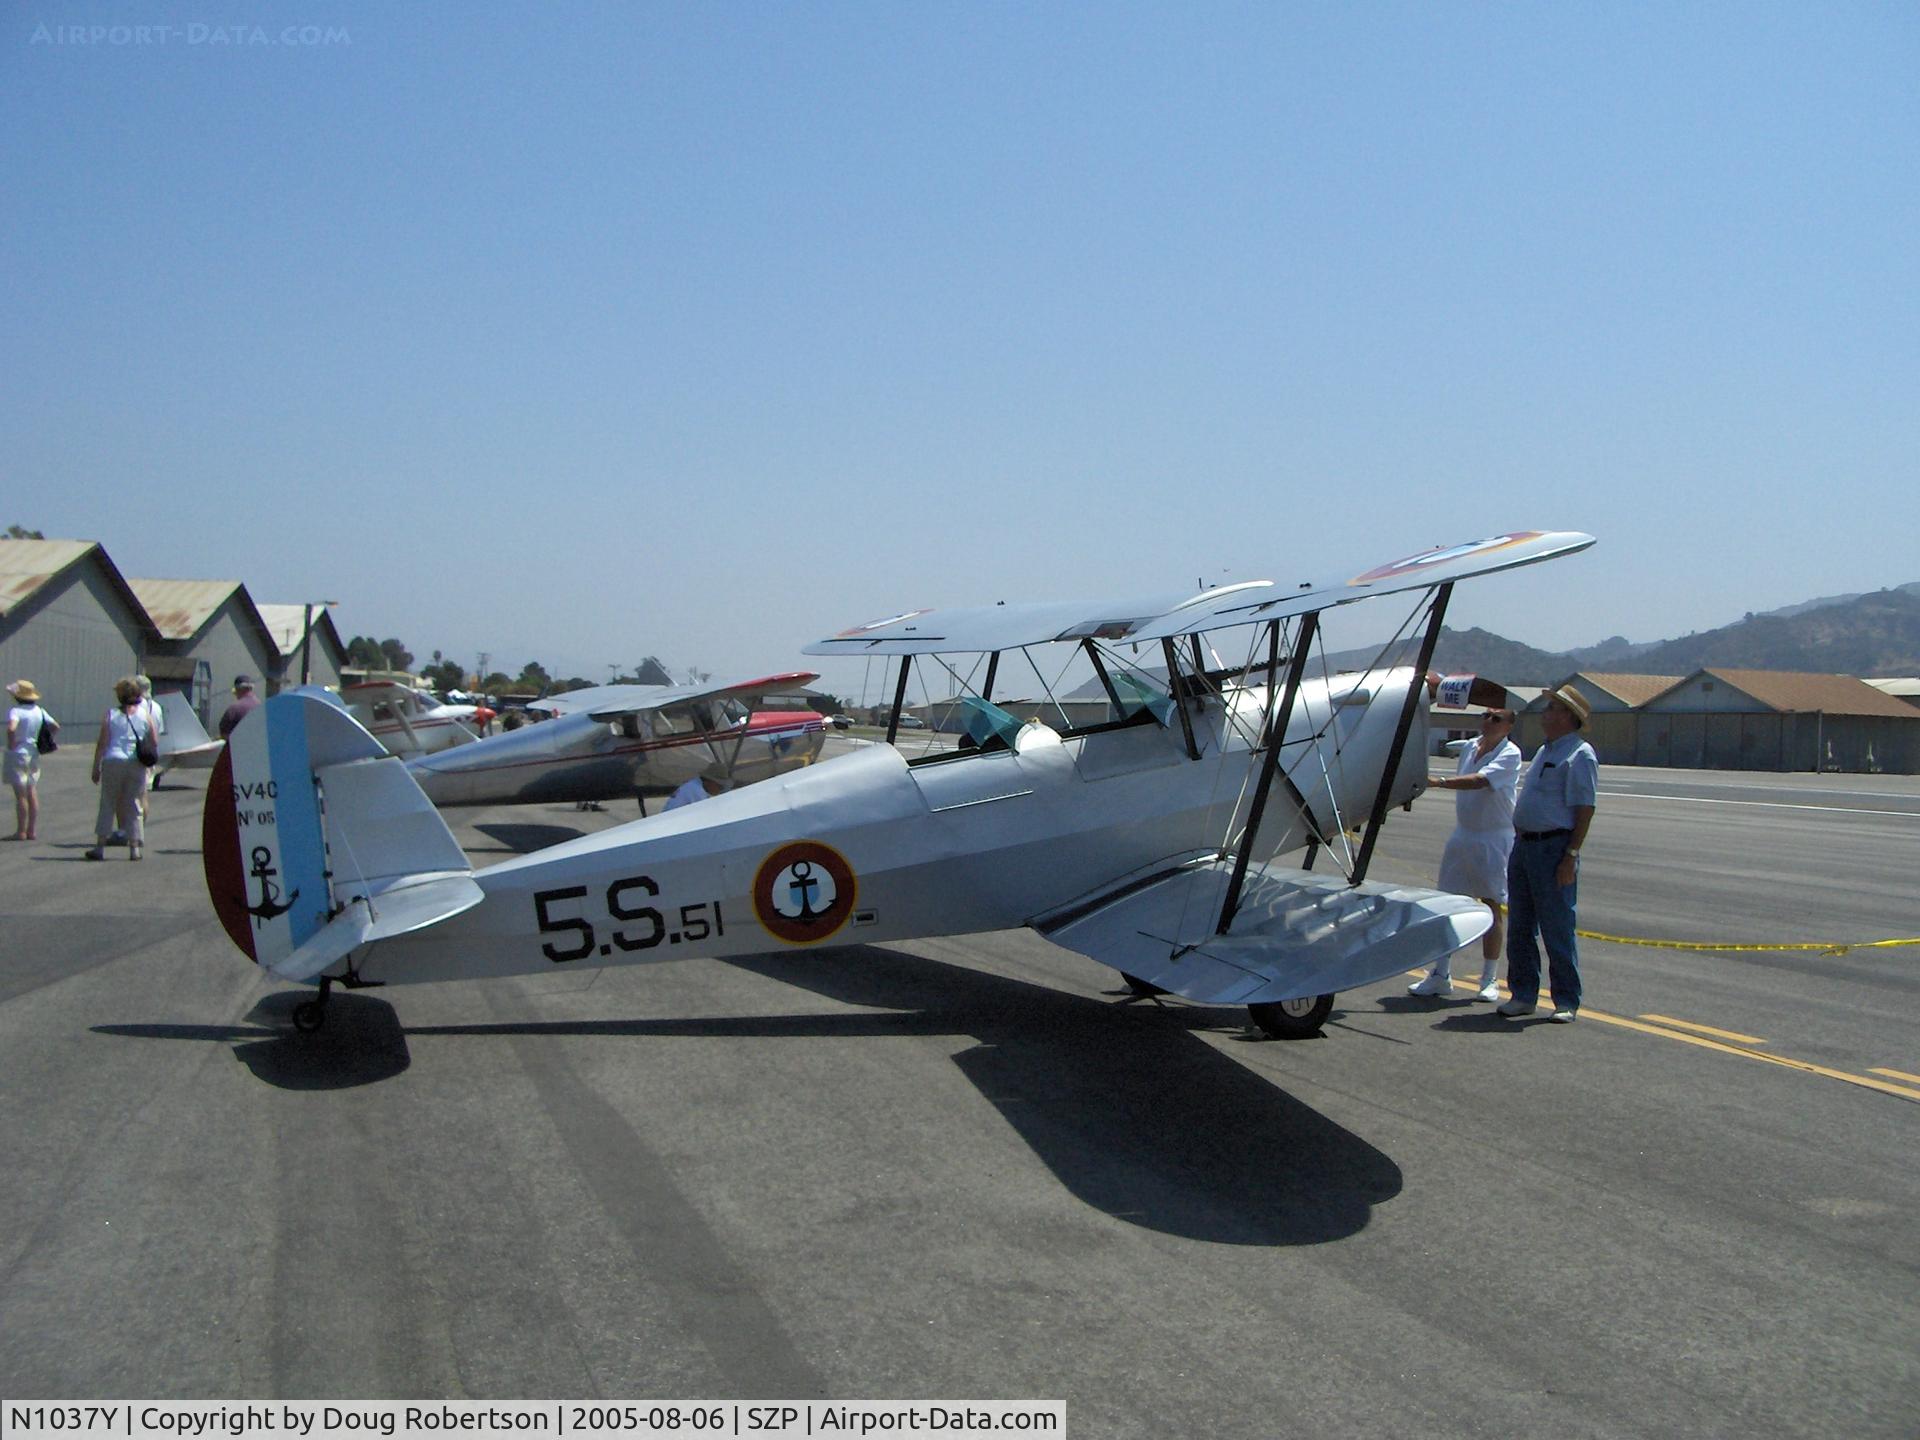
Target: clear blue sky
x,y
587,332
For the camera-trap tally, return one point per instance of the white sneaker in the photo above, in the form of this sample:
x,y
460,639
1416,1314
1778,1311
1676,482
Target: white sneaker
x,y
1432,985
1514,1009
1489,992
1566,1015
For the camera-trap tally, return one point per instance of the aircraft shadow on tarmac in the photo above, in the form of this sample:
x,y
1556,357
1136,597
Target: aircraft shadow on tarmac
x,y
523,839
1131,1110
363,1042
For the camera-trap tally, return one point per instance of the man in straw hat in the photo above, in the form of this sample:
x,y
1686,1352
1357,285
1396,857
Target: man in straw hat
x,y
1543,875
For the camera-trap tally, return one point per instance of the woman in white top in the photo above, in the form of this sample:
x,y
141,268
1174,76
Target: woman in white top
x,y
23,757
118,772
1475,860
150,714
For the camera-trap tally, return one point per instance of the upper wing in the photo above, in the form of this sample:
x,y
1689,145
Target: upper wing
x,y
1006,627
982,628
609,702
365,692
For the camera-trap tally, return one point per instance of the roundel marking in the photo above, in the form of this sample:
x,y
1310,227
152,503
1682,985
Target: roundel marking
x,y
803,892
1413,563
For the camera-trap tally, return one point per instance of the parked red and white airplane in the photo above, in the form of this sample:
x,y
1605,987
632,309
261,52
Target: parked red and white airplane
x,y
1146,842
613,742
408,722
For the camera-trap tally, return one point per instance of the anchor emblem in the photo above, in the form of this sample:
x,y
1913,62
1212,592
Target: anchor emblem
x,y
800,888
263,871
803,892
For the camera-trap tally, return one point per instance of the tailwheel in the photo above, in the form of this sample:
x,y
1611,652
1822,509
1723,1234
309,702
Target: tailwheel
x,y
310,1015
1292,1019
1140,987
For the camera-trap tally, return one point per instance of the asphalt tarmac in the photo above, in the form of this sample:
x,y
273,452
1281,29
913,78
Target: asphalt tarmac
x,y
973,1169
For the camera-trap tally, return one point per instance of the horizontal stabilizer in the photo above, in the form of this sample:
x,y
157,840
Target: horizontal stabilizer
x,y
412,905
1295,934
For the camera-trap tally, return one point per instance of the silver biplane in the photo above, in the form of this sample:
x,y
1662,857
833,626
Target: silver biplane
x,y
615,742
1146,841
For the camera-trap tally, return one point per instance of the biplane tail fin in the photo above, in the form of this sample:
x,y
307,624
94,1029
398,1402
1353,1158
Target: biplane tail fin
x,y
1294,934
316,841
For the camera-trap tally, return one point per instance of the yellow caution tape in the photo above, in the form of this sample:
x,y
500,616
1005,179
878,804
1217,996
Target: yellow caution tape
x,y
1818,947
1811,947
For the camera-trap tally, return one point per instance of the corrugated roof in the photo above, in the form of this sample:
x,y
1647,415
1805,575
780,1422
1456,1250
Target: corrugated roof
x,y
181,608
1791,690
287,623
26,565
1634,690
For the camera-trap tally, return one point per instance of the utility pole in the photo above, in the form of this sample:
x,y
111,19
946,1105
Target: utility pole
x,y
306,641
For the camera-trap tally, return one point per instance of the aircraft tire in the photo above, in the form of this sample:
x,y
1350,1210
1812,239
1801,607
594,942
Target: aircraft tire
x,y
309,1016
1292,1019
1140,987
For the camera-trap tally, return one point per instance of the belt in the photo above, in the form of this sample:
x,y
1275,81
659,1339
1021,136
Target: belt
x,y
1542,834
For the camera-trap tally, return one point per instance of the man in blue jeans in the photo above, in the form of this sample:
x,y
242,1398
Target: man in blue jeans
x,y
1543,873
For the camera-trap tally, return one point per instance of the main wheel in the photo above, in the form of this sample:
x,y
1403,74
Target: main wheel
x,y
1141,987
1292,1019
309,1016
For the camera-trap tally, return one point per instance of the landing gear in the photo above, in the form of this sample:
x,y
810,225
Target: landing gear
x,y
1292,1019
1141,987
310,1015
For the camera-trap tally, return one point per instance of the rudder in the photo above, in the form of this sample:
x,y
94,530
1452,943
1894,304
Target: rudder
x,y
316,841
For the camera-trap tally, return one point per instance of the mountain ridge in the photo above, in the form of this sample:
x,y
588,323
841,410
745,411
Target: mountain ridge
x,y
1872,634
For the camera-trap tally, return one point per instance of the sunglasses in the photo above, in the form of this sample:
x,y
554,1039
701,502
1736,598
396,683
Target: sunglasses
x,y
1497,719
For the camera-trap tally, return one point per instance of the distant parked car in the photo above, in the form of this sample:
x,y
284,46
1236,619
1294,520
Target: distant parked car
x,y
912,722
840,722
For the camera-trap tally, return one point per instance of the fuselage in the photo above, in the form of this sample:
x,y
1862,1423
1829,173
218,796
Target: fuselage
x,y
867,847
579,758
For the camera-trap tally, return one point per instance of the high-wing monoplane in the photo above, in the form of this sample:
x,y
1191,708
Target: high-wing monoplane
x,y
1146,841
407,721
615,742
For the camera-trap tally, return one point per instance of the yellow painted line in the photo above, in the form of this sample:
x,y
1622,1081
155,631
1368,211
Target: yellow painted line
x,y
1897,1075
1805,1066
1734,1035
1705,1042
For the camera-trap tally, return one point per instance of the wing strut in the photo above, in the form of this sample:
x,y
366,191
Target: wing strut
x,y
1100,669
1421,666
1270,762
993,666
899,698
1179,688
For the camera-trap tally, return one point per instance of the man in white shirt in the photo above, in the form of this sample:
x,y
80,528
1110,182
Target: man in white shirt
x,y
698,788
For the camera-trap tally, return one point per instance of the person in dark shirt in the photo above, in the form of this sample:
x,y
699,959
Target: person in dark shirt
x,y
243,700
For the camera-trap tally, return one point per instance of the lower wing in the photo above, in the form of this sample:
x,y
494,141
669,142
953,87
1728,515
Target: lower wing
x,y
1295,934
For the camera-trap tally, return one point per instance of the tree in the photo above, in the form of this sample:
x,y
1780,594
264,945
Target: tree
x,y
363,653
534,677
444,675
397,656
20,532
